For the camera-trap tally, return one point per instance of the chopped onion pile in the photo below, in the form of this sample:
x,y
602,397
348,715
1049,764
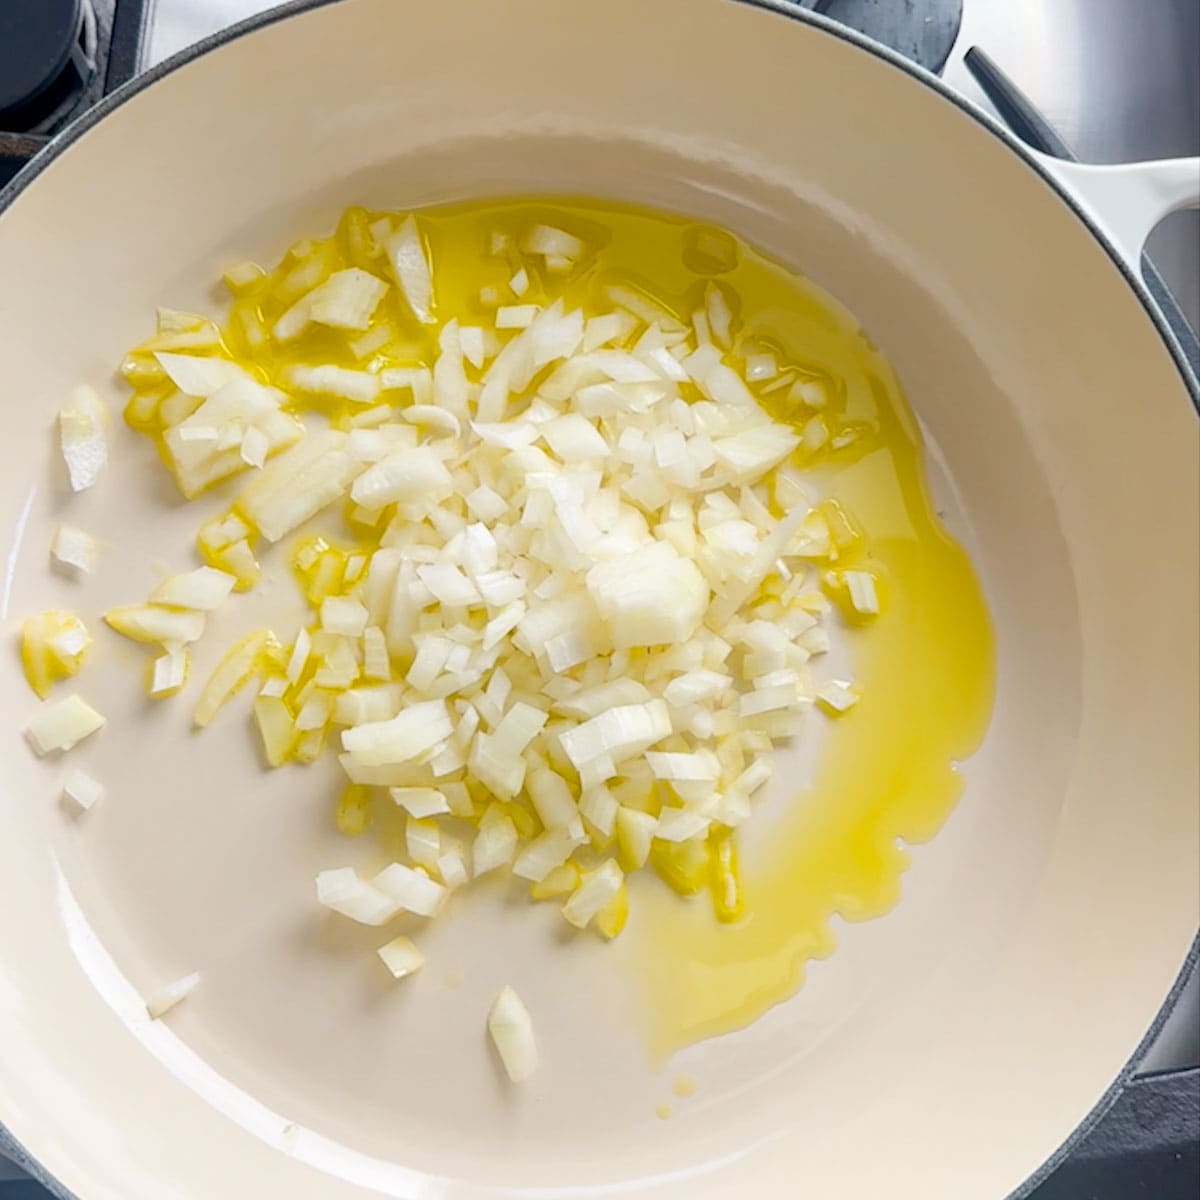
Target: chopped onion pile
x,y
580,586
577,608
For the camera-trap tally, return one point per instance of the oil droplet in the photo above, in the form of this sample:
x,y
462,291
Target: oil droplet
x,y
453,979
663,1111
684,1086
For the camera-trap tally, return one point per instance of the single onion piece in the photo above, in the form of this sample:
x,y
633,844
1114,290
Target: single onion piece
x,y
241,661
82,790
432,417
347,299
495,843
169,672
635,834
73,548
864,596
595,890
401,957
548,850
420,801
836,697
58,727
255,446
165,999
198,375
82,425
202,590
344,892
299,483
516,316
551,242
511,1030
410,265
411,889
680,824
343,615
361,387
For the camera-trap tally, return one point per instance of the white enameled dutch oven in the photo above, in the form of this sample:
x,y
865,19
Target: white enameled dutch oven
x,y
947,1050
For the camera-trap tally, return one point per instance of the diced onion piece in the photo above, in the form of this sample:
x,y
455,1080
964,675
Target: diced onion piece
x,y
418,380
751,453
548,850
696,687
701,766
406,253
649,597
495,843
619,733
473,345
864,596
165,999
198,375
60,726
414,731
73,548
401,957
255,446
423,841
361,387
241,661
511,1030
275,728
344,892
420,801
516,316
347,299
82,427
595,890
411,889
299,483
202,589
552,799
169,672
82,790
519,283
548,241
343,615
452,868
412,473
836,697
448,584
431,416
599,807
680,824
299,656
376,662
155,623
53,644
635,834
562,881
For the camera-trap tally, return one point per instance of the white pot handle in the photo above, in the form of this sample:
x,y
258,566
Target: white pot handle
x,y
1127,200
